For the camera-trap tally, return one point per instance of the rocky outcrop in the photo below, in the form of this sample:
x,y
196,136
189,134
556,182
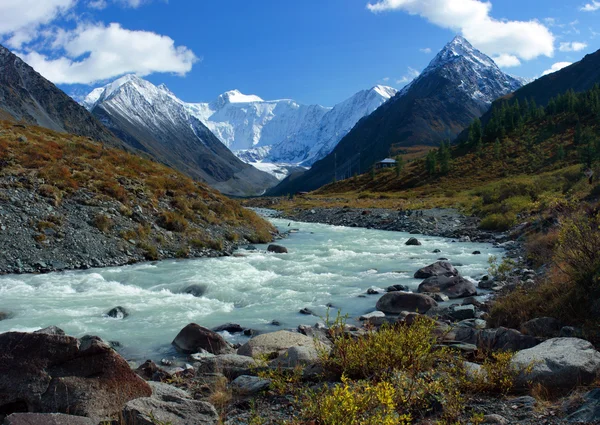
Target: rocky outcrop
x,y
544,327
194,338
43,373
451,286
249,385
274,344
559,363
397,302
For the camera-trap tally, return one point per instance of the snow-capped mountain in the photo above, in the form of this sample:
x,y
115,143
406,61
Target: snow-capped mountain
x,y
154,120
480,76
284,131
276,136
459,85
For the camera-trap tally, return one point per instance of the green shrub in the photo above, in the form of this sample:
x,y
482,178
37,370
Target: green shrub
x,y
498,222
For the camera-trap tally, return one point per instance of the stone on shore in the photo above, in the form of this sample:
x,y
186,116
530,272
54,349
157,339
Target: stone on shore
x,y
47,419
274,344
173,411
559,363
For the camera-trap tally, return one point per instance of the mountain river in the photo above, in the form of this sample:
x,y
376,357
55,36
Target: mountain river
x,y
325,265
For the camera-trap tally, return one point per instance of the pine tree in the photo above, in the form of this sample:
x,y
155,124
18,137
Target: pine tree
x,y
399,165
497,149
560,153
475,133
431,163
443,157
372,172
578,131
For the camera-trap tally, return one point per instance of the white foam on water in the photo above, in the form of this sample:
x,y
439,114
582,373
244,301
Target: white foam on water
x,y
325,264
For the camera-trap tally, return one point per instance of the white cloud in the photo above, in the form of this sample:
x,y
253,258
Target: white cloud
x,y
507,61
591,7
409,76
20,19
524,40
385,79
97,4
425,50
556,67
574,46
95,52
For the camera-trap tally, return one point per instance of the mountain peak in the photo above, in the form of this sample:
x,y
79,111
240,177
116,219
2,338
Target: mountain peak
x,y
384,91
460,47
236,96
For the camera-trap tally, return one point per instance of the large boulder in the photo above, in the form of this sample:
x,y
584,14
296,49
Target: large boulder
x,y
274,344
172,411
45,373
559,363
194,338
197,290
118,312
397,302
47,419
451,286
230,365
439,268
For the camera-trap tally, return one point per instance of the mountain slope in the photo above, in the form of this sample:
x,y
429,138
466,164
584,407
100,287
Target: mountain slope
x,y
457,86
152,119
68,202
28,97
580,76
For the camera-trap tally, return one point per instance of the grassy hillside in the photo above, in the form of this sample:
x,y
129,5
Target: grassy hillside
x,y
73,189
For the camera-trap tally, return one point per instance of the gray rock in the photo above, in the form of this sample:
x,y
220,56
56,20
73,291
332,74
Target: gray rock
x,y
232,328
570,332
194,338
395,288
274,344
230,365
494,419
589,411
495,339
118,313
166,392
413,242
371,315
178,411
277,249
545,327
47,419
4,315
296,356
440,268
195,289
249,385
451,286
397,302
462,312
559,363
50,330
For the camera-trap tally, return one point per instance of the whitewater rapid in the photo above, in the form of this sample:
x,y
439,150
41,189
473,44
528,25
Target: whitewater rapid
x,y
325,265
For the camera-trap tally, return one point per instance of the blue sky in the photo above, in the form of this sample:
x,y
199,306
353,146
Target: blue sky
x,y
314,51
